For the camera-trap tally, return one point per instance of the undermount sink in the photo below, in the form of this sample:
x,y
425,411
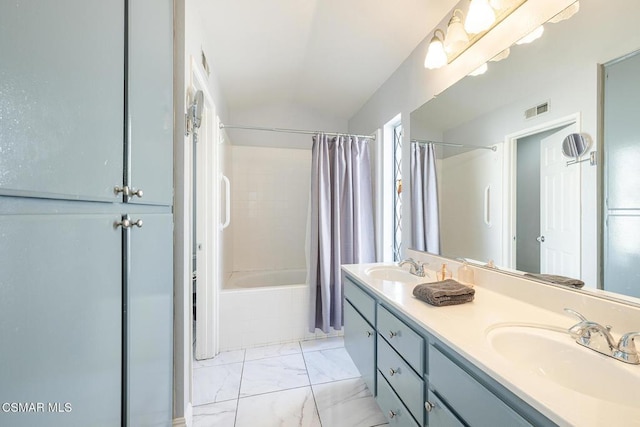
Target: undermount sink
x,y
393,273
552,354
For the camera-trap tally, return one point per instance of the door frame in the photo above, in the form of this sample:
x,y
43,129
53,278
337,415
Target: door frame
x,y
207,319
510,161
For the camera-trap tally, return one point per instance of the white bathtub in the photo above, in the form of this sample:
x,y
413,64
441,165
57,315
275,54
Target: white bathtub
x,y
264,308
261,279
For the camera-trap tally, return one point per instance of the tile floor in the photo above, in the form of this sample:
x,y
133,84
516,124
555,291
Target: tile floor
x,y
306,384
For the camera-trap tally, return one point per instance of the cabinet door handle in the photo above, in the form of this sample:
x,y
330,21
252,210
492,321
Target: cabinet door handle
x,y
392,334
368,334
127,223
392,414
429,406
129,192
392,371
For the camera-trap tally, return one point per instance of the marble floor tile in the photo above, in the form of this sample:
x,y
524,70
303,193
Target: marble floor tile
x,y
221,414
272,351
330,365
216,383
347,403
288,408
322,344
273,374
223,358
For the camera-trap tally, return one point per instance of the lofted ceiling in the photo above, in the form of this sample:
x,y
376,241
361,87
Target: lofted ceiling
x,y
329,55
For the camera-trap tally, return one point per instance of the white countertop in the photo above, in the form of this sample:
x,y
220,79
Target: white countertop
x,y
464,327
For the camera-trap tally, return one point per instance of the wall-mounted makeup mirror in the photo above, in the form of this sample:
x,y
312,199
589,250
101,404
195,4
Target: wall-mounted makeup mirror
x,y
575,145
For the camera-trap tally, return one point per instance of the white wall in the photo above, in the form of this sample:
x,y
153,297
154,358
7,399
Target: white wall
x,y
462,189
281,115
270,195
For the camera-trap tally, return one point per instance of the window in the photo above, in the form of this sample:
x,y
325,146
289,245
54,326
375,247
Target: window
x,y
397,191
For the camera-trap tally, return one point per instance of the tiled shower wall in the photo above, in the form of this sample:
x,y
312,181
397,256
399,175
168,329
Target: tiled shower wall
x,y
269,203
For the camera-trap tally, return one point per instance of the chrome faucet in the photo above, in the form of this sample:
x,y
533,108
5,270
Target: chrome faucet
x,y
417,267
585,331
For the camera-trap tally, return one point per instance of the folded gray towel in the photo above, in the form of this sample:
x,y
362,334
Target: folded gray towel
x,y
557,280
446,292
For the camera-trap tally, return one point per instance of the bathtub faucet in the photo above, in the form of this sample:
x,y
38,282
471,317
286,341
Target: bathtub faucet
x,y
417,267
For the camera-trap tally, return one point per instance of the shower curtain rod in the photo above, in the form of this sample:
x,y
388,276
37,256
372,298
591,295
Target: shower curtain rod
x,y
283,130
453,144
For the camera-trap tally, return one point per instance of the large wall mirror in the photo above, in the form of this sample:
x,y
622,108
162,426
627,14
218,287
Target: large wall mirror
x,y
525,205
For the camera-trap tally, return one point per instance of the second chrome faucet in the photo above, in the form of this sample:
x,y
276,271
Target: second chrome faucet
x,y
598,338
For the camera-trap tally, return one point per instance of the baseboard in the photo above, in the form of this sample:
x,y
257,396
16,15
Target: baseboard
x,y
179,422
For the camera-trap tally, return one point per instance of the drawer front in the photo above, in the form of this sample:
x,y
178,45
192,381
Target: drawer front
x,y
392,407
407,384
364,303
360,343
438,415
475,404
405,340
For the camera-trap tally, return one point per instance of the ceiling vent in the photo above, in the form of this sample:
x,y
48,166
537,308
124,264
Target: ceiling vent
x,y
536,111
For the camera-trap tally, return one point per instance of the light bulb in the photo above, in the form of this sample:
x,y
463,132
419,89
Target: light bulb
x,y
480,17
457,38
436,56
533,35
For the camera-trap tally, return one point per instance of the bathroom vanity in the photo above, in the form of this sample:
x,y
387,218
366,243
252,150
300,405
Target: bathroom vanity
x,y
505,359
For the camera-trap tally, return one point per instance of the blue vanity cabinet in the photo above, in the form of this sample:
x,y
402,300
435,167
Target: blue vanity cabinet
x,y
460,391
422,382
359,332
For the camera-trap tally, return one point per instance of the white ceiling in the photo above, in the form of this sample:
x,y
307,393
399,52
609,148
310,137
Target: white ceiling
x,y
329,55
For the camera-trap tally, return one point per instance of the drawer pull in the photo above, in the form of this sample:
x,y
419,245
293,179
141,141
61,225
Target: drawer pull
x,y
368,334
392,371
429,406
392,334
392,414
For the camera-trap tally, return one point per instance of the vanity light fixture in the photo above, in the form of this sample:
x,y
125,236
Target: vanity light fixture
x,y
436,56
480,70
532,36
566,14
480,17
502,55
457,38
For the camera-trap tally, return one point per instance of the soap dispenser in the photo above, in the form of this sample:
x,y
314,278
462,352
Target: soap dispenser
x,y
465,274
443,274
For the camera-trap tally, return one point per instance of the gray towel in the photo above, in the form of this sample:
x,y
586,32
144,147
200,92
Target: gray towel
x,y
446,292
557,280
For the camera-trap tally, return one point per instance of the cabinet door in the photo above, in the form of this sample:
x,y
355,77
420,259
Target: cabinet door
x,y
150,100
360,342
61,98
60,319
438,414
150,321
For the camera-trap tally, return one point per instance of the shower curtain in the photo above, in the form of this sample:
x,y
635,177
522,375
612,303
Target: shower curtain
x,y
341,222
425,224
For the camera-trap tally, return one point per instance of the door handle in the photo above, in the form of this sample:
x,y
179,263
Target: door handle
x,y
540,239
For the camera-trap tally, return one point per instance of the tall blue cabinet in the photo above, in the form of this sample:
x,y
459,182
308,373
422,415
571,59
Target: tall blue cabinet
x,y
86,224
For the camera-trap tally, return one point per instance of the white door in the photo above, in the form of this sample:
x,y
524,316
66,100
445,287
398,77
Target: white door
x,y
206,220
560,213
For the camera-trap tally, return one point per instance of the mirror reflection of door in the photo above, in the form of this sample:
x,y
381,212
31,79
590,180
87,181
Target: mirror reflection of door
x,y
547,205
621,202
